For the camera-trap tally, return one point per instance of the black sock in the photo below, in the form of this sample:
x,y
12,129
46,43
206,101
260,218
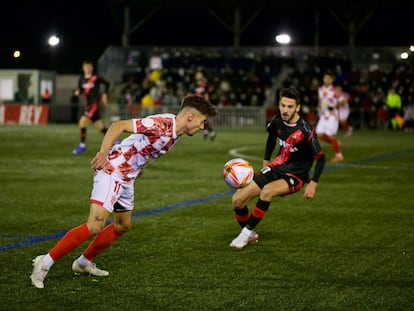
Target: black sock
x,y
242,215
83,134
258,212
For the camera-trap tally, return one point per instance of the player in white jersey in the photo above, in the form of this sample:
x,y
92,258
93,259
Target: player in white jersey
x,y
328,123
116,168
344,110
204,89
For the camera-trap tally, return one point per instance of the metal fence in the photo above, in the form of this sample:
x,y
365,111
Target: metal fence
x,y
227,117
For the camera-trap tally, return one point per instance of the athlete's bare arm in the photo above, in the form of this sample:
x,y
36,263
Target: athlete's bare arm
x,y
310,190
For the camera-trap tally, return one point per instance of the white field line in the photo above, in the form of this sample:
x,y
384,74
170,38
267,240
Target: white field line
x,y
378,167
241,153
238,153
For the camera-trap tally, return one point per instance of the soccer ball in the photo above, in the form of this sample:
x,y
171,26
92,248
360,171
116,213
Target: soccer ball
x,y
238,173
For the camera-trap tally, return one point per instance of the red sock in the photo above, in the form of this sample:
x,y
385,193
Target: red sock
x,y
70,241
242,215
258,212
102,241
325,138
335,145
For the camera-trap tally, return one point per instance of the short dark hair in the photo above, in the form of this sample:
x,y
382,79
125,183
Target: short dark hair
x,y
200,103
290,92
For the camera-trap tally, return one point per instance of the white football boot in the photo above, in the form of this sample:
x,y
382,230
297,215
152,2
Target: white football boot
x,y
89,269
39,272
246,236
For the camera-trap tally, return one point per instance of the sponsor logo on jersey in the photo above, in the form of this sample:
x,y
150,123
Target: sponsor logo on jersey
x,y
147,122
284,144
88,85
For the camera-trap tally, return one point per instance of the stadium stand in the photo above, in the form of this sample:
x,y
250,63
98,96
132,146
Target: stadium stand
x,y
245,81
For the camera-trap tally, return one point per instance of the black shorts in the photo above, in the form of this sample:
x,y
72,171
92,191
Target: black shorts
x,y
267,175
92,112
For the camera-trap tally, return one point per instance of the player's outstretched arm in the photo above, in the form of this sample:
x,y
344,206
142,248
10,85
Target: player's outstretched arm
x,y
104,99
310,189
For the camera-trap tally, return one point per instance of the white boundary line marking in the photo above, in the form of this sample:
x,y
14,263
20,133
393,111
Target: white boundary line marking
x,y
237,153
378,167
240,153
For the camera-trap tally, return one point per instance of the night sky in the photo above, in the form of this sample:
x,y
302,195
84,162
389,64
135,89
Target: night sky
x,y
86,28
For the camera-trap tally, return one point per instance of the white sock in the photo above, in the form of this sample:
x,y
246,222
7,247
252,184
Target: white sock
x,y
83,261
47,261
246,230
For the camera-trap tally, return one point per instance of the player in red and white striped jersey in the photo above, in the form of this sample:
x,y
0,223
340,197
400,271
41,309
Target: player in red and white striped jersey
x,y
204,89
116,168
328,123
344,110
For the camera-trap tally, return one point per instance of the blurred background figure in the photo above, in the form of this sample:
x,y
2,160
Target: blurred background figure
x,y
95,89
202,88
344,109
74,107
328,123
46,96
394,104
409,116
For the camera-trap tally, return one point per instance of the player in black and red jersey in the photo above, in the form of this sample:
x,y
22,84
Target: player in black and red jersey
x,y
95,89
286,173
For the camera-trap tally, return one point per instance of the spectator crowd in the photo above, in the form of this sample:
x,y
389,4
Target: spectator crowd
x,y
378,97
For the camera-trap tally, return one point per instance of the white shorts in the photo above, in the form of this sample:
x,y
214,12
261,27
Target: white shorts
x,y
108,190
328,124
343,113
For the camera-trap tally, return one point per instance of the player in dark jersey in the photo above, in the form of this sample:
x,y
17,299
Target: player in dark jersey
x,y
286,173
95,89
